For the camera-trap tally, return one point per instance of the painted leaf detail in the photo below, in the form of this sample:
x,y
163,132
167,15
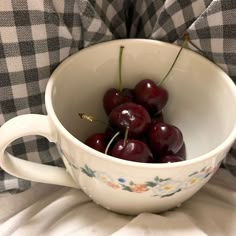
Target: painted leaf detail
x,y
127,188
156,178
88,171
151,184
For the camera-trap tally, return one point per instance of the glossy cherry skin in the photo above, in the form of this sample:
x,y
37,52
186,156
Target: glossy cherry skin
x,y
164,139
132,150
97,141
113,97
182,152
169,159
151,96
130,115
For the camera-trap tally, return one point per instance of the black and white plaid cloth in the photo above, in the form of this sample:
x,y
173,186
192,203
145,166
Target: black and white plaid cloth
x,y
35,36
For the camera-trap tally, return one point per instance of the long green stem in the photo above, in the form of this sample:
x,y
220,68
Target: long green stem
x,y
196,47
110,142
126,135
120,68
167,74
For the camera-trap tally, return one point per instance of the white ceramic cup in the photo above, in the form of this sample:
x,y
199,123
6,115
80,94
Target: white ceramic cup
x,y
202,103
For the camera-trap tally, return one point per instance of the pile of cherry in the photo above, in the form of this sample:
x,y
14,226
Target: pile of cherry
x,y
136,130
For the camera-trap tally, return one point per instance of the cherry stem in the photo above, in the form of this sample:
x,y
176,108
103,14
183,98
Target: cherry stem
x,y
91,118
110,142
120,68
186,40
196,47
126,135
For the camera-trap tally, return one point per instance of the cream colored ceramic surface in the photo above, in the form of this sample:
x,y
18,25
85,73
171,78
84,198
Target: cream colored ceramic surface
x,y
202,104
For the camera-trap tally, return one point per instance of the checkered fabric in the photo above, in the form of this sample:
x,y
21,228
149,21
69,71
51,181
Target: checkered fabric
x,y
35,36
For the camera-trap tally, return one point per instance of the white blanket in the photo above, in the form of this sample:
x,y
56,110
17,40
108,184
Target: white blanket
x,y
55,211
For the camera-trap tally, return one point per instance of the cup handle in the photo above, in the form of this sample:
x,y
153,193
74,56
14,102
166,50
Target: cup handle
x,y
31,124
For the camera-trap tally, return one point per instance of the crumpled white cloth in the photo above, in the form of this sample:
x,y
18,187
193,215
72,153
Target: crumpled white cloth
x,y
55,211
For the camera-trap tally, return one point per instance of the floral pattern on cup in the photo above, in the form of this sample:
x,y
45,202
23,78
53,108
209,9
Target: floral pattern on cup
x,y
161,187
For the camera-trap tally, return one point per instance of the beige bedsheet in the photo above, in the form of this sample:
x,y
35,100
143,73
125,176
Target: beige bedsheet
x,y
54,211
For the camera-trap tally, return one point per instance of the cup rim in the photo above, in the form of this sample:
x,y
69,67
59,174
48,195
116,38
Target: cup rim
x,y
51,113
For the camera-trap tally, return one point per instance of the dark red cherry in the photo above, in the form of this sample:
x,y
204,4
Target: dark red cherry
x,y
158,117
182,152
169,158
97,141
113,97
132,150
164,139
112,136
151,96
129,93
132,116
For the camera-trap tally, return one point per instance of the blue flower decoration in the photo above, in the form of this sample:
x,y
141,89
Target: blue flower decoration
x,y
121,180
